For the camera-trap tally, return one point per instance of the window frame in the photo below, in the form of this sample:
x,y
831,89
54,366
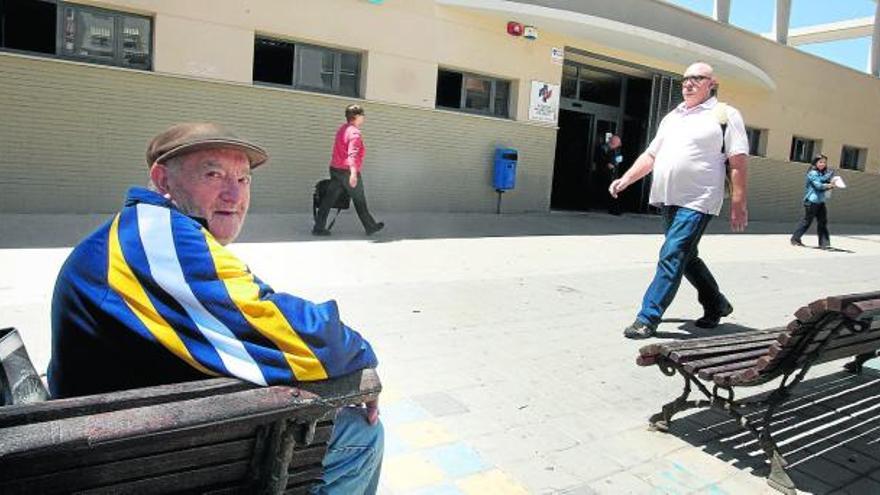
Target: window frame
x,y
337,68
815,149
118,16
759,144
861,153
493,94
119,33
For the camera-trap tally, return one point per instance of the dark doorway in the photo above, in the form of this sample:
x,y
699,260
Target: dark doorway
x,y
571,177
597,101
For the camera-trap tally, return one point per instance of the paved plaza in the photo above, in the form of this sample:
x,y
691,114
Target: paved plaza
x,y
501,353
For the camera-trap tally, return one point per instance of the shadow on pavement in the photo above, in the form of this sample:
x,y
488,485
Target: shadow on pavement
x,y
45,230
690,331
829,432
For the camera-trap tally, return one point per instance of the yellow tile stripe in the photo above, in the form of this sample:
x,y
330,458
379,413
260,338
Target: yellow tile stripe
x,y
264,315
123,281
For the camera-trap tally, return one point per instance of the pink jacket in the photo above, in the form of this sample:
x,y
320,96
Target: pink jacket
x,y
348,148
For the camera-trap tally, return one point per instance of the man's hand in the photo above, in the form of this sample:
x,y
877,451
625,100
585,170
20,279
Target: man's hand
x,y
353,179
617,186
739,216
372,411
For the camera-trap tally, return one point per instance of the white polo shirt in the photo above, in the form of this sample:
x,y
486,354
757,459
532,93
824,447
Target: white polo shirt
x,y
688,163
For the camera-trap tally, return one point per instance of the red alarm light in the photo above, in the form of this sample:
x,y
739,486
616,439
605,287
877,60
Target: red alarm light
x,y
514,28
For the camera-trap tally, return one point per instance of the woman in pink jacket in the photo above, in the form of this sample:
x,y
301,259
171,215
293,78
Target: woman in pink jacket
x,y
345,173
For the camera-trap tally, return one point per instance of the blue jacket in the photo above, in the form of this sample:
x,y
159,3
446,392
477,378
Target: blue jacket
x,y
815,187
152,298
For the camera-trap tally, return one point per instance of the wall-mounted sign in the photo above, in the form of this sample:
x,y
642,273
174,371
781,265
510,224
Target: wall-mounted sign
x,y
544,102
557,55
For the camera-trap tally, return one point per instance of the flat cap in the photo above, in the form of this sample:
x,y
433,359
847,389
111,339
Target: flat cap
x,y
185,138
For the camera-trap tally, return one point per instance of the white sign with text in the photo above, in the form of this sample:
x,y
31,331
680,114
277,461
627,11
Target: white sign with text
x,y
544,102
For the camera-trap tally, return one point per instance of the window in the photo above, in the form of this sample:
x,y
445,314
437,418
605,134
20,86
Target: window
x,y
802,149
87,33
473,93
853,158
757,141
308,67
592,85
28,25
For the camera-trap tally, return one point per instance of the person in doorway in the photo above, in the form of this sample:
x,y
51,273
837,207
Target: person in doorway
x,y
688,157
346,164
155,297
610,162
818,182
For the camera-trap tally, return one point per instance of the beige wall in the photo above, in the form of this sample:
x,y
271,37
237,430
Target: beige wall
x,y
814,97
73,137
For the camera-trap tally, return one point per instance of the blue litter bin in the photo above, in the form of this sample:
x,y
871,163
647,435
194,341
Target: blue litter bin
x,y
504,177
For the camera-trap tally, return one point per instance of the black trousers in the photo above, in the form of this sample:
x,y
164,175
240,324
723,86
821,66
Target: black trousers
x,y
820,213
339,182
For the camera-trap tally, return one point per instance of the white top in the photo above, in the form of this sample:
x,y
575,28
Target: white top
x,y
688,163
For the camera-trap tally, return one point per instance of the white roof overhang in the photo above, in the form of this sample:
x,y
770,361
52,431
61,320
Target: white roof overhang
x,y
622,36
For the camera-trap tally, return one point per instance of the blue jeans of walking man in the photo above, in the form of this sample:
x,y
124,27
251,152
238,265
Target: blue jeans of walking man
x,y
679,257
354,459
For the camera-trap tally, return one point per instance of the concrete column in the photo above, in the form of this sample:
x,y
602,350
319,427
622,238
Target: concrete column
x,y
780,23
722,11
875,43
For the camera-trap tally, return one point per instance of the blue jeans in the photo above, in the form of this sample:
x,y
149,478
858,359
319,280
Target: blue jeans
x,y
354,456
678,257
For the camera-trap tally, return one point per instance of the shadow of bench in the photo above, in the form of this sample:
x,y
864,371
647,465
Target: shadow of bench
x,y
218,436
828,329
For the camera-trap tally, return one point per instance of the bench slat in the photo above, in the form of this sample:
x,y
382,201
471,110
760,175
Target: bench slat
x,y
682,356
709,373
664,348
114,401
178,482
101,474
693,366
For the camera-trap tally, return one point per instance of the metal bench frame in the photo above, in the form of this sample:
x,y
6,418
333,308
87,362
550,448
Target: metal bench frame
x,y
795,365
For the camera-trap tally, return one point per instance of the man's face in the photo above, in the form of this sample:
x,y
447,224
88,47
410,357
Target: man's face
x,y
615,142
213,184
697,84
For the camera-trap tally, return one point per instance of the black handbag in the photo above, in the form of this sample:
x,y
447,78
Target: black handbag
x,y
322,187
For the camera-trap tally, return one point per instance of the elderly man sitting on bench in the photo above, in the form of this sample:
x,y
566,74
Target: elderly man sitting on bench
x,y
154,297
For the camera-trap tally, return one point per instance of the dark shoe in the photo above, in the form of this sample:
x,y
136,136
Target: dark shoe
x,y
379,226
826,247
320,232
712,319
795,242
639,330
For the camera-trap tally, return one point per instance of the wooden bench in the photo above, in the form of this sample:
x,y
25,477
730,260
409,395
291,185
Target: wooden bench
x,y
828,329
218,436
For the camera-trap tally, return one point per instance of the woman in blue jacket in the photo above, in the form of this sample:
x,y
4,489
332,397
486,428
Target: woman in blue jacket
x,y
817,183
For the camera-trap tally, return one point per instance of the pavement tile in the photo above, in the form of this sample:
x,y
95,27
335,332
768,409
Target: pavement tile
x,y
861,486
585,462
621,483
401,411
456,460
540,475
441,489
408,472
490,482
422,434
637,445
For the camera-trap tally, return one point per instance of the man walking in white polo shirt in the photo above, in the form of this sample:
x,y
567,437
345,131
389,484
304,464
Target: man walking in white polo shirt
x,y
688,159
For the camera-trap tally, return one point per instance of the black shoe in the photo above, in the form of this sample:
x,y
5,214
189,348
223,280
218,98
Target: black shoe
x,y
795,242
320,232
639,330
379,226
712,319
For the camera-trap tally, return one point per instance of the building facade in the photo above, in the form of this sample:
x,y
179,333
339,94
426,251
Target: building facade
x,y
84,85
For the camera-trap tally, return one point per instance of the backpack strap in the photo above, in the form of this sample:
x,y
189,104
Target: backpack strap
x,y
720,112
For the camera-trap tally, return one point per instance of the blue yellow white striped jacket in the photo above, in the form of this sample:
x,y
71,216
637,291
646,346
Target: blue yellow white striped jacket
x,y
151,298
